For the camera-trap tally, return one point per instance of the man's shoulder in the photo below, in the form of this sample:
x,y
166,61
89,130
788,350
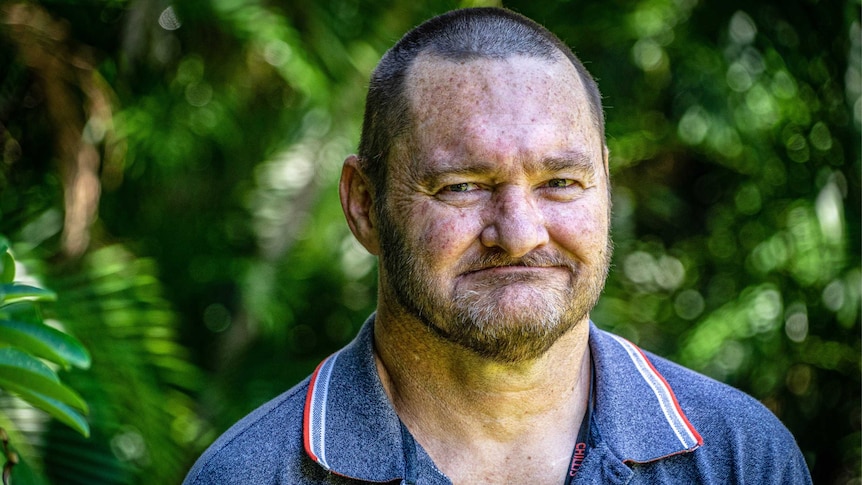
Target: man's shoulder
x,y
269,438
736,427
739,432
694,392
675,425
294,438
718,402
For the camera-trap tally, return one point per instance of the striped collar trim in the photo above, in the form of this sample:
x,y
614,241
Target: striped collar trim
x,y
314,415
349,427
682,429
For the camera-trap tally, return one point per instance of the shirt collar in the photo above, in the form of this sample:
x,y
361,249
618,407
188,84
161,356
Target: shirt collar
x,y
636,411
350,428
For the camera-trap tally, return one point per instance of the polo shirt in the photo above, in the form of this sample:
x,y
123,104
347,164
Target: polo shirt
x,y
653,422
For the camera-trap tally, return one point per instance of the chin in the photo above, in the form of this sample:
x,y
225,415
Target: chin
x,y
513,344
513,330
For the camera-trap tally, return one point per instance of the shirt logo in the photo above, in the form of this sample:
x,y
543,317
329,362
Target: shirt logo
x,y
577,458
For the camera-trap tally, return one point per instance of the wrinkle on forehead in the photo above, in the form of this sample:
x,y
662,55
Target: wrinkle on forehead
x,y
504,103
493,82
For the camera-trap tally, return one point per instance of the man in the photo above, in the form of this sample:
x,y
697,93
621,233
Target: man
x,y
482,186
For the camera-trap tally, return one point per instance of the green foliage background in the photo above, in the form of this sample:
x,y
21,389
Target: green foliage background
x,y
169,171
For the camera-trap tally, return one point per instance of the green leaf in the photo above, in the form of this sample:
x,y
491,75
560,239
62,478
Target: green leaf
x,y
12,357
25,375
46,342
62,412
37,384
27,386
7,268
10,293
22,311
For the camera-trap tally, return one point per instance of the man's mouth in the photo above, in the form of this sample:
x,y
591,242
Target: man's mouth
x,y
512,269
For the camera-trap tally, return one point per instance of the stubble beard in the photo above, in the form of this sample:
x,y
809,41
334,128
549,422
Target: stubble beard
x,y
490,317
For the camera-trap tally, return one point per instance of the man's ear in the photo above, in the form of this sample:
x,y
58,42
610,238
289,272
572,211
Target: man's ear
x,y
357,202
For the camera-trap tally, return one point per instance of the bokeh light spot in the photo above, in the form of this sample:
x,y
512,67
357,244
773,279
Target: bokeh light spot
x,y
742,28
168,19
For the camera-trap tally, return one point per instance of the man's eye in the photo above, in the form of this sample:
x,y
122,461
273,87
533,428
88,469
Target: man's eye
x,y
462,187
560,183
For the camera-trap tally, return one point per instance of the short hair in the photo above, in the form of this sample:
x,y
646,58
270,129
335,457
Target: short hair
x,y
465,34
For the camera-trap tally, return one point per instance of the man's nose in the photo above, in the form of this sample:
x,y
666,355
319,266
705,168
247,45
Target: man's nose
x,y
515,222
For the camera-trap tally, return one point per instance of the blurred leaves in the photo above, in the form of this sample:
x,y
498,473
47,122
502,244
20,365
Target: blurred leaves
x,y
141,380
169,171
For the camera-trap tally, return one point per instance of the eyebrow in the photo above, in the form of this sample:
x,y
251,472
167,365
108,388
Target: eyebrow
x,y
575,162
430,175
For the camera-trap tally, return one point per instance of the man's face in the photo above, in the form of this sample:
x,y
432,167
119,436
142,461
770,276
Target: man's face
x,y
494,227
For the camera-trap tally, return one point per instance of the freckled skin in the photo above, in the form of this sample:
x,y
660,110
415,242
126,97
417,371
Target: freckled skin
x,y
507,115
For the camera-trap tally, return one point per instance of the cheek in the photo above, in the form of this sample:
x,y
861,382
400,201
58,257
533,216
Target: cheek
x,y
581,229
445,234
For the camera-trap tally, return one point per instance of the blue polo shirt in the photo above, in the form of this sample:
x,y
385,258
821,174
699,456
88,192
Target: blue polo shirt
x,y
653,422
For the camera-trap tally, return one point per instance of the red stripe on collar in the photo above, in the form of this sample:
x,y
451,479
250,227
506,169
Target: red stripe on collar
x,y
675,417
314,412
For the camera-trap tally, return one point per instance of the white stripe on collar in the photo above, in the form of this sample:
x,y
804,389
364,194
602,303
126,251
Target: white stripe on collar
x,y
684,431
314,419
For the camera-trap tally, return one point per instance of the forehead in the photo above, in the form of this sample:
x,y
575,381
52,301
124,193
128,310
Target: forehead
x,y
521,106
427,63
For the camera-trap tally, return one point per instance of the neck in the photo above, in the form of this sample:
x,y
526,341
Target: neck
x,y
466,410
